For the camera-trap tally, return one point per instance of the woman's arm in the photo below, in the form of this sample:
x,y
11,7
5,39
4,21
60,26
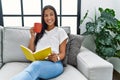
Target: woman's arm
x,y
31,44
62,49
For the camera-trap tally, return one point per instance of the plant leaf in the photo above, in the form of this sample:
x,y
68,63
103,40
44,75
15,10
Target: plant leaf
x,y
104,38
117,54
82,20
117,38
108,51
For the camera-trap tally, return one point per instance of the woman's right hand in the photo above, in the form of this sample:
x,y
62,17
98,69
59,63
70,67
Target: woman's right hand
x,y
31,45
32,32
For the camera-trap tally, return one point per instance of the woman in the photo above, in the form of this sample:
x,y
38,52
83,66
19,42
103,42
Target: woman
x,y
52,36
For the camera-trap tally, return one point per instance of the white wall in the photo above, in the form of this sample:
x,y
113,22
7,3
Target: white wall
x,y
93,5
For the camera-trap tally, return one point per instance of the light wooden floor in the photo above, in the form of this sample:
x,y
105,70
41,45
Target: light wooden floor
x,y
116,75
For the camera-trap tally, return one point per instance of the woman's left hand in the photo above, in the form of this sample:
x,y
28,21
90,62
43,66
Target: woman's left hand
x,y
53,57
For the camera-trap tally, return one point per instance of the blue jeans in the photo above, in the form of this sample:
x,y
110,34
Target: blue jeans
x,y
38,70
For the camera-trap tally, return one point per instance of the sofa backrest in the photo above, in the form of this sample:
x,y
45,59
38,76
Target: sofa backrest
x,y
1,45
13,37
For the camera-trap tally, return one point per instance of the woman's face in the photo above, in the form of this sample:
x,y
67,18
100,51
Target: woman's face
x,y
49,18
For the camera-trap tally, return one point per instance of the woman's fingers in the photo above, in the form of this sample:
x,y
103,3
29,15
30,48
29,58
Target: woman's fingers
x,y
53,57
32,32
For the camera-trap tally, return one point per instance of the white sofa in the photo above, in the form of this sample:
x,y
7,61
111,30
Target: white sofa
x,y
12,61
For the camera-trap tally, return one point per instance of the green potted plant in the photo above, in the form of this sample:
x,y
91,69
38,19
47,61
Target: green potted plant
x,y
106,31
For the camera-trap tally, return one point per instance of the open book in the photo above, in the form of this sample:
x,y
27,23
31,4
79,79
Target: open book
x,y
38,55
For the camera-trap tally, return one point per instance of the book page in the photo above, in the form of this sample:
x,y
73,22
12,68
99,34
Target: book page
x,y
28,53
42,54
38,55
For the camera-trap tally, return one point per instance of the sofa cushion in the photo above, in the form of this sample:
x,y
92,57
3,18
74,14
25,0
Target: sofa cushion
x,y
13,68
0,46
70,73
73,48
12,39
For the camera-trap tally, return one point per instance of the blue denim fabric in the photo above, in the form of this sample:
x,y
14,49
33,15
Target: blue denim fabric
x,y
40,69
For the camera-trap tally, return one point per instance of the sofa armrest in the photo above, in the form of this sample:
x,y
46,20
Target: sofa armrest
x,y
93,66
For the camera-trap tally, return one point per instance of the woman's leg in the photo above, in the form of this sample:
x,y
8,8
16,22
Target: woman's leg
x,y
40,69
29,73
50,69
24,75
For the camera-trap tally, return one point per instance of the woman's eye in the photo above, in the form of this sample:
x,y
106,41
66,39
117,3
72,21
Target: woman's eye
x,y
51,14
45,15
